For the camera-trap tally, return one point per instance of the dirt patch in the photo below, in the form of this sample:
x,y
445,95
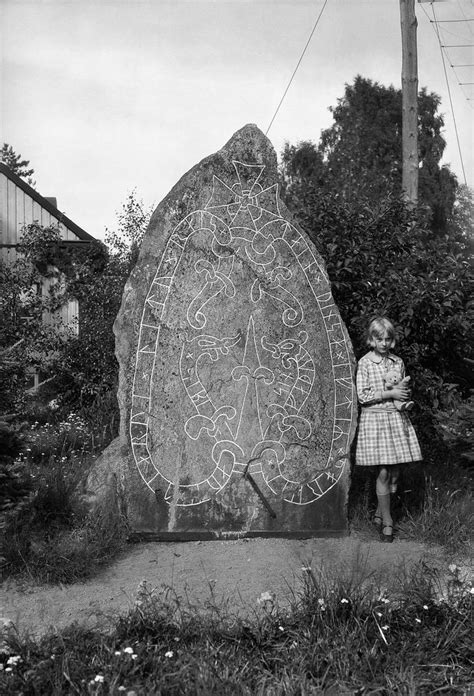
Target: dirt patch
x,y
235,572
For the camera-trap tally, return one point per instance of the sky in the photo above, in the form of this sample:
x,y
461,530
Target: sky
x,y
107,96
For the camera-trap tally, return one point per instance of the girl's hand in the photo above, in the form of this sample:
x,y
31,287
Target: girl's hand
x,y
400,392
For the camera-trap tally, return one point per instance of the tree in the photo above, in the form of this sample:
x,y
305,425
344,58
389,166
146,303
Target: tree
x,y
383,259
124,242
361,153
29,342
19,166
87,370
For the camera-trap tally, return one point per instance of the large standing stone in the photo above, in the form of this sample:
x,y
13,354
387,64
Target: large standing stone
x,y
236,371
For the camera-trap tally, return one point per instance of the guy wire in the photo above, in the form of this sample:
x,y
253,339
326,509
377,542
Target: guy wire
x,y
297,65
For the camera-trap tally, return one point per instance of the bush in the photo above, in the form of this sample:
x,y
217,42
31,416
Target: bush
x,y
456,425
381,259
52,538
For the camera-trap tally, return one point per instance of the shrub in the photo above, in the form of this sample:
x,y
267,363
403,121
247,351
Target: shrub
x,y
53,538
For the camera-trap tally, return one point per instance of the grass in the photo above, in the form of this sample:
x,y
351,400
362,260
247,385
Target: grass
x,y
50,536
339,637
434,505
446,519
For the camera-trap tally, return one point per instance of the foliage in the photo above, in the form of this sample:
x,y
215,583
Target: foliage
x,y
457,426
360,155
15,480
19,166
382,259
50,536
84,366
340,636
31,342
124,242
446,518
433,504
87,371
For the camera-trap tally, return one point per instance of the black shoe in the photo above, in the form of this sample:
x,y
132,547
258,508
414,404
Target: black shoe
x,y
386,538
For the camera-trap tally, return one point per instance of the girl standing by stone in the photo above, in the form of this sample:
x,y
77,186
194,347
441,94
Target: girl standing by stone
x,y
386,437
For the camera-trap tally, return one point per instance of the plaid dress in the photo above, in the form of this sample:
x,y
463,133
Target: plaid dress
x,y
385,436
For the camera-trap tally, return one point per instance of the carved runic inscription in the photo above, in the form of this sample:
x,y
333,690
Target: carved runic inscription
x,y
242,362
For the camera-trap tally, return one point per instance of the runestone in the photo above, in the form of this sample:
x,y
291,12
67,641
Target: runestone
x,y
236,370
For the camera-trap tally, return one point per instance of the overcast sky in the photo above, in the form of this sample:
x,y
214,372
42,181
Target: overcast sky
x,y
103,96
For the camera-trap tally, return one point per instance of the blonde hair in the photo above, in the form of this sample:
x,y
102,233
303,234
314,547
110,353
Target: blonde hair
x,y
377,328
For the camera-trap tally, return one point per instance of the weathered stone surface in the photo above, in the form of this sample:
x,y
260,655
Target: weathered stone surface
x,y
236,371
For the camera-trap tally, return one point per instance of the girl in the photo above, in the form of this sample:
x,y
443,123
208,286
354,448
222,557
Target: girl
x,y
386,437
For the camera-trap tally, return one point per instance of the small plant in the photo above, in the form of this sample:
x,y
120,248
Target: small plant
x,y
446,518
49,442
51,537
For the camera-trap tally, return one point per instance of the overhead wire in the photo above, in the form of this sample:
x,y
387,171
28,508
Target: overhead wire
x,y
444,46
297,65
448,89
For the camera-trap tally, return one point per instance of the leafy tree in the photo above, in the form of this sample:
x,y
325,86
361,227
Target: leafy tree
x,y
382,259
361,153
30,342
83,367
87,369
19,166
124,242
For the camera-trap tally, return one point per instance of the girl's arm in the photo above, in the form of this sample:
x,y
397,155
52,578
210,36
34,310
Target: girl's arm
x,y
368,394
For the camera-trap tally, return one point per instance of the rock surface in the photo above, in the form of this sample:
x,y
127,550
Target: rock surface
x,y
236,371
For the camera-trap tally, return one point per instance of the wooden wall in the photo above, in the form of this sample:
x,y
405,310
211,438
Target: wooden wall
x,y
17,209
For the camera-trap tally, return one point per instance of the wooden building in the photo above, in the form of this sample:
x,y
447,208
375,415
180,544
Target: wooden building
x,y
21,205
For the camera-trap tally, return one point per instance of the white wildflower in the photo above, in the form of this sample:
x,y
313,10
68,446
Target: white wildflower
x,y
99,678
13,660
169,653
344,601
128,650
418,620
265,597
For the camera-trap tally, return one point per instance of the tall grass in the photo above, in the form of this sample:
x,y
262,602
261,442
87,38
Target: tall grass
x,y
434,504
338,637
52,537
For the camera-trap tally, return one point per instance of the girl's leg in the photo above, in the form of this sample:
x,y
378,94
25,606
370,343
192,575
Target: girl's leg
x,y
382,488
394,474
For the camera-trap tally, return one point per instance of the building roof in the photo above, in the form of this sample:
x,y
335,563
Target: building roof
x,y
46,204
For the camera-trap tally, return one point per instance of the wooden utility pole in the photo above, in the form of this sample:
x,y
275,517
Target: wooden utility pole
x,y
409,101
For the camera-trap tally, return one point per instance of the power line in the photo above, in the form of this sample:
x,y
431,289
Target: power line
x,y
297,65
446,21
449,93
